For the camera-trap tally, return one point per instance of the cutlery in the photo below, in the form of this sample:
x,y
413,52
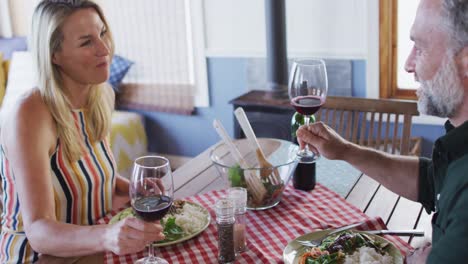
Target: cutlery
x,y
268,168
317,242
254,183
410,232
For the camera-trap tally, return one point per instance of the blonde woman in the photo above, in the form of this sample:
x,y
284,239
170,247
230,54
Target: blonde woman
x,y
57,170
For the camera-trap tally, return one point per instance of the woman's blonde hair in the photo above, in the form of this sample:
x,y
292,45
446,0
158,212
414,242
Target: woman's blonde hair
x,y
46,39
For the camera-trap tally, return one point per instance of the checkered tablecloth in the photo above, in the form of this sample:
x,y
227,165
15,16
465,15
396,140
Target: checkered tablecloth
x,y
268,231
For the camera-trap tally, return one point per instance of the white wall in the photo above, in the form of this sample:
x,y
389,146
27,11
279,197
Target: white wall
x,y
20,12
373,68
325,28
344,29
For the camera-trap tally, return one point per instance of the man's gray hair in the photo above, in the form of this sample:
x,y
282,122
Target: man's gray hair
x,y
456,18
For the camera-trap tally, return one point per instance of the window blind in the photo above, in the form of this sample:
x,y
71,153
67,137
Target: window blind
x,y
156,36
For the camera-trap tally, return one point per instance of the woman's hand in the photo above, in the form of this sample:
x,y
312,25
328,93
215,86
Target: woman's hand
x,y
132,235
322,140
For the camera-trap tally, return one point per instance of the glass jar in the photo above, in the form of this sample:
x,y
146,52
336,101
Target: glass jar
x,y
225,220
304,176
238,196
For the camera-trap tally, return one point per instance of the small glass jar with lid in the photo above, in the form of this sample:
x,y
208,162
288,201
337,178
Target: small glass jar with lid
x,y
238,196
225,224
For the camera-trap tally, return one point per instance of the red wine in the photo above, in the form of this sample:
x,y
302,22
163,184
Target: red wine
x,y
307,105
152,208
304,176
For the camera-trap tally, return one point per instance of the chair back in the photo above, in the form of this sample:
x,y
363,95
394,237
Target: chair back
x,y
378,123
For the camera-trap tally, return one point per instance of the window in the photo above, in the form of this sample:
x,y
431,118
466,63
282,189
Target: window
x,y
396,18
165,40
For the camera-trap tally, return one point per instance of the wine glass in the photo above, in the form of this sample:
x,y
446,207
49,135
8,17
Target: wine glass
x,y
308,86
151,194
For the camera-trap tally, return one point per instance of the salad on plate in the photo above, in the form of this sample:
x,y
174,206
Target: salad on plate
x,y
347,247
184,221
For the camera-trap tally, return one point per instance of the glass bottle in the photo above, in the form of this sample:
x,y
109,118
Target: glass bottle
x,y
238,196
304,176
225,224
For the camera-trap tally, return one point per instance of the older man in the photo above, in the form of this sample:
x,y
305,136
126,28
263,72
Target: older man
x,y
439,61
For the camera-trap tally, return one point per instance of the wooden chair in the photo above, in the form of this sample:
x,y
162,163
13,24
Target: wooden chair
x,y
375,123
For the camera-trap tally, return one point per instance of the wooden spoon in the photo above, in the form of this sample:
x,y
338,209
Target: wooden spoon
x,y
254,183
268,168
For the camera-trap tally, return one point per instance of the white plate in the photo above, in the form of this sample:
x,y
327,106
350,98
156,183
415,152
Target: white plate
x,y
293,251
129,212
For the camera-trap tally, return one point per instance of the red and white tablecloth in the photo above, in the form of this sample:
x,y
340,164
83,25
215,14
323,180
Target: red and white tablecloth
x,y
268,231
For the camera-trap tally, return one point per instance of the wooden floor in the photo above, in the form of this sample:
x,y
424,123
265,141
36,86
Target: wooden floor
x,y
199,175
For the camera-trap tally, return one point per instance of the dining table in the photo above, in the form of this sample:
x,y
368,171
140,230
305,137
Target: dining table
x,y
342,195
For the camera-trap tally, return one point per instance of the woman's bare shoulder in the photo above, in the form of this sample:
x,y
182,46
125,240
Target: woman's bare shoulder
x,y
31,106
29,112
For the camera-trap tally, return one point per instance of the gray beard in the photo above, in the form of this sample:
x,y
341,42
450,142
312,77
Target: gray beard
x,y
442,95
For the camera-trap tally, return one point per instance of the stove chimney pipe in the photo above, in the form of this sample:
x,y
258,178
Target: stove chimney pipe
x,y
277,61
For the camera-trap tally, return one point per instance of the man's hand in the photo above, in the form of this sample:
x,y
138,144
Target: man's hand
x,y
322,140
419,255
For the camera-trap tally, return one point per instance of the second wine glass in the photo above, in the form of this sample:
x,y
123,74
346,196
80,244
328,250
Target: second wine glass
x,y
151,194
308,87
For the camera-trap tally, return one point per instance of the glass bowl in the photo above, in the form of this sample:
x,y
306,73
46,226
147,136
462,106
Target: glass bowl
x,y
264,184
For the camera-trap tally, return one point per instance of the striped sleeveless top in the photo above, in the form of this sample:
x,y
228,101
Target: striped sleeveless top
x,y
82,192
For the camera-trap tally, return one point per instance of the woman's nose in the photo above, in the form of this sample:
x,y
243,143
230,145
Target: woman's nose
x,y
102,48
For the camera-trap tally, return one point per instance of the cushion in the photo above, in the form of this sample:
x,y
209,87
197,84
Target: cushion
x,y
3,72
21,78
128,140
119,67
6,66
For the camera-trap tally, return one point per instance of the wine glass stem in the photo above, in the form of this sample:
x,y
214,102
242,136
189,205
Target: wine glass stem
x,y
306,123
150,252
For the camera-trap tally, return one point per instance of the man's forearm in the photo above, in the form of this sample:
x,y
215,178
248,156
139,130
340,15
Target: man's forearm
x,y
397,173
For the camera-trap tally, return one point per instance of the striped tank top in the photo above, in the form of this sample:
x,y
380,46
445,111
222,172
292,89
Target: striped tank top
x,y
82,192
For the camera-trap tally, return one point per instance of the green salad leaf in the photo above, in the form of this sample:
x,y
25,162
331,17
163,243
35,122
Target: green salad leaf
x,y
236,176
171,230
333,258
